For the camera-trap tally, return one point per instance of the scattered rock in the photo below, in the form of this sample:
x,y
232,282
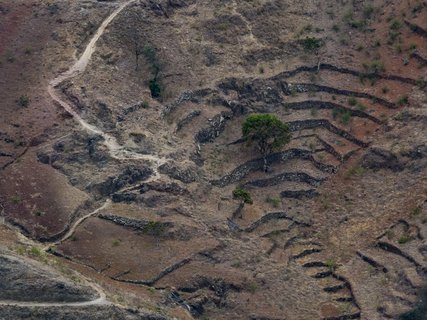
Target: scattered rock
x,y
186,175
376,159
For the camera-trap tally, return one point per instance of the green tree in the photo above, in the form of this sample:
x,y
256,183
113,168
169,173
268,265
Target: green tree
x,y
267,131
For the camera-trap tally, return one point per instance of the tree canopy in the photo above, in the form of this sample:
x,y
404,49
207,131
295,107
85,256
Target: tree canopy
x,y
267,131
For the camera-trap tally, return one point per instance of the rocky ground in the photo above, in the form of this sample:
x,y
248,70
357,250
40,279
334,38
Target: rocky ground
x,y
127,202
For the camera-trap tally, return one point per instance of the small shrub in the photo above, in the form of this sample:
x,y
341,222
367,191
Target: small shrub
x,y
416,211
34,251
392,36
357,24
375,66
242,194
251,287
368,11
346,117
421,82
39,213
404,238
405,61
331,264
352,101
361,106
395,25
23,101
236,264
154,228
145,104
155,88
273,201
20,250
335,113
116,242
16,199
154,84
311,43
355,171
402,100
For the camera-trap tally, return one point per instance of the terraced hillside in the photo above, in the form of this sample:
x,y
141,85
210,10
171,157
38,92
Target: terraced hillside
x,y
122,146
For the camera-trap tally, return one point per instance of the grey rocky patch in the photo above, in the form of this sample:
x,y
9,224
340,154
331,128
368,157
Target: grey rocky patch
x,y
243,170
186,175
104,116
193,96
169,188
27,282
376,159
129,176
124,197
299,194
73,313
184,121
216,126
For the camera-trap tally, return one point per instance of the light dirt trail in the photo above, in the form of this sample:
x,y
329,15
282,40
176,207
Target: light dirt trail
x,y
77,224
116,150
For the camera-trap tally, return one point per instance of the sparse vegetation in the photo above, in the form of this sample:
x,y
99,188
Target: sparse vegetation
x,y
354,171
402,101
311,43
39,213
368,11
421,82
23,101
346,117
404,238
352,101
16,199
34,251
154,228
395,25
416,211
155,84
116,242
376,66
331,264
251,286
343,115
273,201
243,195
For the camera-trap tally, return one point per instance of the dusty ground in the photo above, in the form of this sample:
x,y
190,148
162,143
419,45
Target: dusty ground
x,y
338,223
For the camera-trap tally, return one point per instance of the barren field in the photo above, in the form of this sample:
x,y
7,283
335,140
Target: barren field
x,y
121,152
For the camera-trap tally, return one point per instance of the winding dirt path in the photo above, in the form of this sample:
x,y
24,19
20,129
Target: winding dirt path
x,y
116,151
77,224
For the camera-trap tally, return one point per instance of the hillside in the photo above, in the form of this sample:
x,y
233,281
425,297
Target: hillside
x,y
121,151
